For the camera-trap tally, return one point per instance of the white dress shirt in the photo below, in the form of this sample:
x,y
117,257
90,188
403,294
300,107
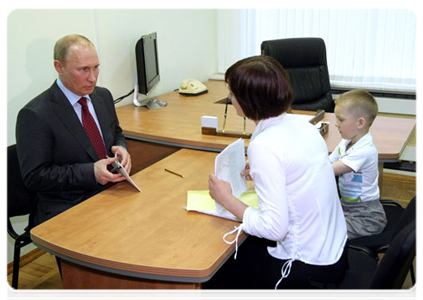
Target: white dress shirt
x,y
73,100
296,188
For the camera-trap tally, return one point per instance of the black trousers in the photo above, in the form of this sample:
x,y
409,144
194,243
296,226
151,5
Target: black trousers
x,y
254,268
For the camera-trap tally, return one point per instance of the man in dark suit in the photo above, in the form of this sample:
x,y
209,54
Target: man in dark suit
x,y
56,154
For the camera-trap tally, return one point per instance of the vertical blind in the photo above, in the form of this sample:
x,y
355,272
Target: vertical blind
x,y
367,48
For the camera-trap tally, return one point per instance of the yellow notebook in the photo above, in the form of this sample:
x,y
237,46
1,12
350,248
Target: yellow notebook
x,y
200,201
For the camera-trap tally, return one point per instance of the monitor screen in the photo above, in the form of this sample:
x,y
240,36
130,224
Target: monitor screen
x,y
148,74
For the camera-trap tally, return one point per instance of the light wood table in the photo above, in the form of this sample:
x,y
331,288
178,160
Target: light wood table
x,y
179,124
122,238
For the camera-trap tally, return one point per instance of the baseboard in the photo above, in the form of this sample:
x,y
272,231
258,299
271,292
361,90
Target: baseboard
x,y
26,259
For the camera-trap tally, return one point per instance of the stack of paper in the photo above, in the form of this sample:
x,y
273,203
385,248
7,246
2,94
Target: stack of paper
x,y
228,167
201,201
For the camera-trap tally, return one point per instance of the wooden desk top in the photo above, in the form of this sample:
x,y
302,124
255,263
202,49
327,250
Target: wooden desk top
x,y
147,234
179,123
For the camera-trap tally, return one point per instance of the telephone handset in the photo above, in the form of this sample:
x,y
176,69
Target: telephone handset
x,y
192,87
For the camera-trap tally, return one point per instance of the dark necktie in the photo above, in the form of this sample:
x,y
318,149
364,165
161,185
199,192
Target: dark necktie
x,y
92,130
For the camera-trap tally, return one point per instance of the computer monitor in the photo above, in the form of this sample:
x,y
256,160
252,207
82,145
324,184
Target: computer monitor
x,y
148,74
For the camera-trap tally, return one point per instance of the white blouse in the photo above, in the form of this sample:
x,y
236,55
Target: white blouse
x,y
296,188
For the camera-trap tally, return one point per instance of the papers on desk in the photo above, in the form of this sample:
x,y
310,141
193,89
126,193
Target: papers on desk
x,y
228,167
200,201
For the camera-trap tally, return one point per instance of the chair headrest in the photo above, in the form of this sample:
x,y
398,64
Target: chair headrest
x,y
296,52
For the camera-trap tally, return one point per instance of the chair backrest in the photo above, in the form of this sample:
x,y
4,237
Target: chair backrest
x,y
304,59
20,200
396,262
408,215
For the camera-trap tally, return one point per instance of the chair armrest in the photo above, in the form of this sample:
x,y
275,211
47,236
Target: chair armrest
x,y
390,202
11,231
382,249
363,249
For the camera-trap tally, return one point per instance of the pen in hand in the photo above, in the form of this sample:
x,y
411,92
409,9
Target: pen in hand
x,y
177,174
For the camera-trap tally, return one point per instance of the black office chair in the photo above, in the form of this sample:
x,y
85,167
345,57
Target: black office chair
x,y
20,201
365,272
304,59
398,218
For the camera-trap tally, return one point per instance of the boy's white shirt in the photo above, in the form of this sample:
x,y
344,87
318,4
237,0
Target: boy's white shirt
x,y
362,157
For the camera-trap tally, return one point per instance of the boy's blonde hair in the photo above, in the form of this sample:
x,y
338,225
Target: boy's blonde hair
x,y
360,103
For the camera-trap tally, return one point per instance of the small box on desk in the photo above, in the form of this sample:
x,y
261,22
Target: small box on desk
x,y
209,126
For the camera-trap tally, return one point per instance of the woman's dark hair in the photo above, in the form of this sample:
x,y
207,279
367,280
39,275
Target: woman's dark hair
x,y
261,86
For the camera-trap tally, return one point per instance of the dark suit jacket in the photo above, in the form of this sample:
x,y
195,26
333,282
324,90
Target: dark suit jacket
x,y
55,155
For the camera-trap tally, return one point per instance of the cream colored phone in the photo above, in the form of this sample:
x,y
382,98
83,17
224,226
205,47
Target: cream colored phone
x,y
192,87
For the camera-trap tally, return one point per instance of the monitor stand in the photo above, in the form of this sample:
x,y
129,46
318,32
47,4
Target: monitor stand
x,y
149,103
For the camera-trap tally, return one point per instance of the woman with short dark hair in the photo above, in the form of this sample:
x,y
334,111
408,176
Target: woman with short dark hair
x,y
262,87
299,205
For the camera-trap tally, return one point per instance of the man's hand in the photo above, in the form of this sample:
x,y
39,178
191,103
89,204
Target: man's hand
x,y
103,175
123,156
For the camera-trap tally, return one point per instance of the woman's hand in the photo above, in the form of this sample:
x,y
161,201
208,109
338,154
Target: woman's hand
x,y
221,192
246,172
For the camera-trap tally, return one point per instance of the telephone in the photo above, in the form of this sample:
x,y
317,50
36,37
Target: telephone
x,y
192,87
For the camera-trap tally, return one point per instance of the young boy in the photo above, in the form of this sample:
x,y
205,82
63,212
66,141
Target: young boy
x,y
355,161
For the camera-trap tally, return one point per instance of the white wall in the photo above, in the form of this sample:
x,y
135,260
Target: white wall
x,y
186,41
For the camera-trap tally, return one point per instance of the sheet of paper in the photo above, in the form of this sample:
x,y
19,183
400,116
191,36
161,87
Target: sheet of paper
x,y
228,167
124,173
117,166
229,164
201,201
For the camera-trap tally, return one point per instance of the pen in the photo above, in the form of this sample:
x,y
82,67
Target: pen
x,y
244,124
177,174
226,112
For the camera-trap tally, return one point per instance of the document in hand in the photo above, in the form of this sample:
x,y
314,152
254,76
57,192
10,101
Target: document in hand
x,y
200,201
228,167
117,167
229,164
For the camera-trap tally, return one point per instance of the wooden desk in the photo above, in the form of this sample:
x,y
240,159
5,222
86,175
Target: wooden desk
x,y
125,239
179,124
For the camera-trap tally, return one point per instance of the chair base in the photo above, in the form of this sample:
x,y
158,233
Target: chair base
x,y
20,242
